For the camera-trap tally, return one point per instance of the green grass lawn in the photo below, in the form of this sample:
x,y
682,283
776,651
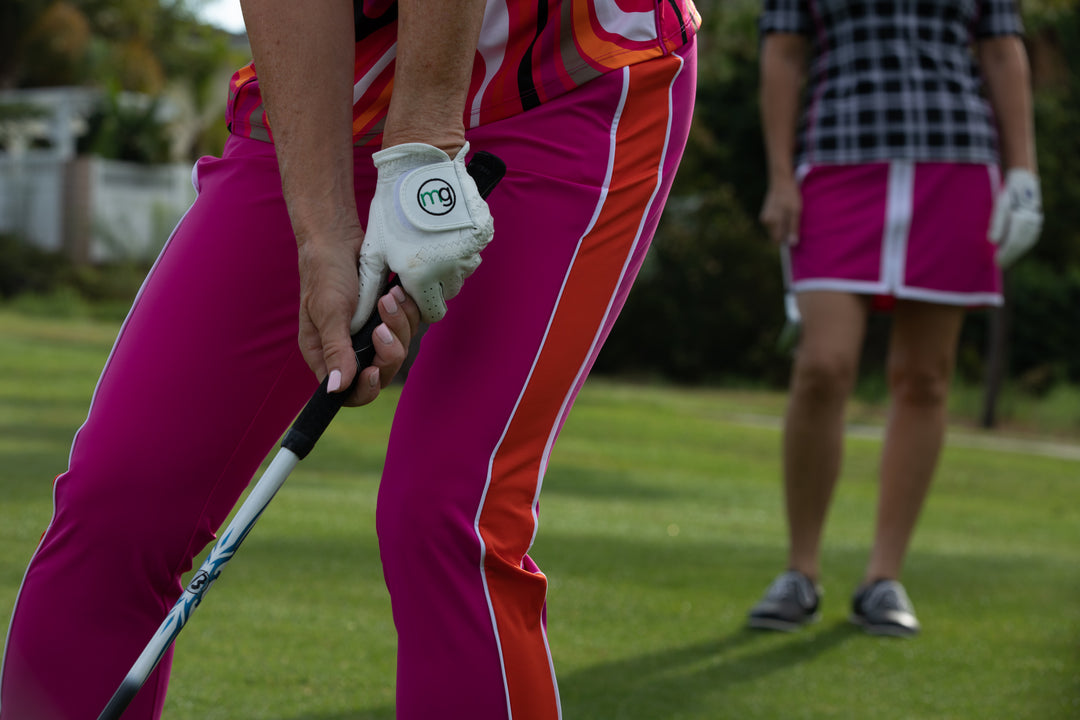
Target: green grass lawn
x,y
660,525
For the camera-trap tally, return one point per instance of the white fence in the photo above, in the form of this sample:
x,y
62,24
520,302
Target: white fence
x,y
92,209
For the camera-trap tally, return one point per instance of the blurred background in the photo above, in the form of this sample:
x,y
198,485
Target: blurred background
x,y
106,104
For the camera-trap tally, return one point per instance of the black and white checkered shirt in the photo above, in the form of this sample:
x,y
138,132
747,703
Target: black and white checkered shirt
x,y
893,79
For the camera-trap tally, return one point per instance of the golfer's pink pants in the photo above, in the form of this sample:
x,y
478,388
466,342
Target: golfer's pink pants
x,y
206,375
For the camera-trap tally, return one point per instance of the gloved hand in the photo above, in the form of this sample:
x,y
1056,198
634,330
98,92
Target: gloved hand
x,y
427,223
1017,219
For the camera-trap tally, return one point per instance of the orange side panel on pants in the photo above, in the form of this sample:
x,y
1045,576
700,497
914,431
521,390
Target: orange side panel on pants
x,y
506,522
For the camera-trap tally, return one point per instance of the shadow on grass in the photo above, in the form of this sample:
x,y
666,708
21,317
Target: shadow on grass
x,y
686,678
678,679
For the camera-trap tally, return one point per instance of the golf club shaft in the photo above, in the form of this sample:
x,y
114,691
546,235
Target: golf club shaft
x,y
785,272
789,334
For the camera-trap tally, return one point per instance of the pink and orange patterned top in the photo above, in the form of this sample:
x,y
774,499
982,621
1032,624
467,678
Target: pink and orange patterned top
x,y
529,52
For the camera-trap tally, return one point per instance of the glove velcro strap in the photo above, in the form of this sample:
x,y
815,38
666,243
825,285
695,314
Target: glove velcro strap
x,y
432,198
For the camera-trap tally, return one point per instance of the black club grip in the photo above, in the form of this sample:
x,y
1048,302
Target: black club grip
x,y
486,171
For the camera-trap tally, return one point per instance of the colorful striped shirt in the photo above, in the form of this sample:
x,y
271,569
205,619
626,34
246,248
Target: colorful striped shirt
x,y
529,52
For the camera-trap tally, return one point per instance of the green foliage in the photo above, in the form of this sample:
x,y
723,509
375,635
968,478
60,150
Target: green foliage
x,y
27,269
54,46
707,302
1054,413
188,49
131,131
711,286
48,284
136,43
19,111
132,46
725,146
1054,46
1058,123
1044,320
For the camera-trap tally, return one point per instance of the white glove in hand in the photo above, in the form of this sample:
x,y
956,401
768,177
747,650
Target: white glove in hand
x,y
1017,219
427,223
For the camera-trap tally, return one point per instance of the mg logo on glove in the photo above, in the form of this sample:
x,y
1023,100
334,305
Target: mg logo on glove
x,y
436,197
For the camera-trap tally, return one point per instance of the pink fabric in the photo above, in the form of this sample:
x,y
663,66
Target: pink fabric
x,y
445,433
901,230
206,375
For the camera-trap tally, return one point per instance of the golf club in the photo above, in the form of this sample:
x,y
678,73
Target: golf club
x,y
789,334
486,170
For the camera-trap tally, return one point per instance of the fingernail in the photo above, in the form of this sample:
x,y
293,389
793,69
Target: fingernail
x,y
391,304
333,383
398,293
384,334
373,380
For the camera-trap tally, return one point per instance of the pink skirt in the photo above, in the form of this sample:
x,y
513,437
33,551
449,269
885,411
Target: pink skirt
x,y
899,231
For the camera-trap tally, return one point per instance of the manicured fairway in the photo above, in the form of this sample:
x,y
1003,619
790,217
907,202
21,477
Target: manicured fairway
x,y
660,525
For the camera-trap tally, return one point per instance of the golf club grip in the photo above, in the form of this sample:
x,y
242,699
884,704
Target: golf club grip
x,y
324,405
486,171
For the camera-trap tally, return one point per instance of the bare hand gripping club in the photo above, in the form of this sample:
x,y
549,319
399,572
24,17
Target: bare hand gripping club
x,y
486,170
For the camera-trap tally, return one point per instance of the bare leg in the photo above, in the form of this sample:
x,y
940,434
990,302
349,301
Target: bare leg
x,y
922,354
826,364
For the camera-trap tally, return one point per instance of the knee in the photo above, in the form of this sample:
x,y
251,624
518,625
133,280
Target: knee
x,y
822,377
116,514
919,384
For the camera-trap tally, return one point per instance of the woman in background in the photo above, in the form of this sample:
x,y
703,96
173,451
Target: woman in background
x,y
887,140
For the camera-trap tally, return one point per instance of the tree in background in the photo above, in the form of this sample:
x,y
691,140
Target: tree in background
x,y
711,283
136,46
1053,28
1044,290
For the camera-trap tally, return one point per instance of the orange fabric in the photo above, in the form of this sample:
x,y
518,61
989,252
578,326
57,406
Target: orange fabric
x,y
530,52
517,595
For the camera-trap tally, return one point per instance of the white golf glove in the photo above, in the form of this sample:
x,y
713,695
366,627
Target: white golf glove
x,y
427,223
1017,219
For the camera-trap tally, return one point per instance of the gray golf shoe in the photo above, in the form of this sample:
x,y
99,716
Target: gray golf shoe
x,y
883,608
790,602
